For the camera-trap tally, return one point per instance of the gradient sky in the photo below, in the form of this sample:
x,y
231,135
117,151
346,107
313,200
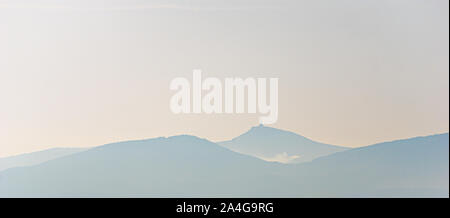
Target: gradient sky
x,y
90,72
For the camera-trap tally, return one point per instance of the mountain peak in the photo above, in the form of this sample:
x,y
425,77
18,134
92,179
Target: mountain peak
x,y
268,143
268,132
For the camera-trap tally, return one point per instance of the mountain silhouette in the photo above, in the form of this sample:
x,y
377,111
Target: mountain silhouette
x,y
34,158
174,166
187,166
278,145
415,167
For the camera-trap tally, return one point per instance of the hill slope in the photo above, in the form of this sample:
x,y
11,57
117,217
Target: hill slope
x,y
410,167
34,158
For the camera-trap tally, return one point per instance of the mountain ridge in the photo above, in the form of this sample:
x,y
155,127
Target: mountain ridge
x,y
33,158
189,166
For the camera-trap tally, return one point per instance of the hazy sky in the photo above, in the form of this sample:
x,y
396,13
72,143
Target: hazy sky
x,y
351,73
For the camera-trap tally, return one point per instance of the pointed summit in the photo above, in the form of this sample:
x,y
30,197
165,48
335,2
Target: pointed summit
x,y
278,145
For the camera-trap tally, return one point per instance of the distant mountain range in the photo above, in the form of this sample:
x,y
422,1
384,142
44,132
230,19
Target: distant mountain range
x,y
34,158
278,145
187,166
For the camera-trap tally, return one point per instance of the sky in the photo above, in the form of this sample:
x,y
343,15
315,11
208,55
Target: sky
x,y
77,73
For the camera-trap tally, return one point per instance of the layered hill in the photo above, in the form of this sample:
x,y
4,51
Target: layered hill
x,y
187,166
